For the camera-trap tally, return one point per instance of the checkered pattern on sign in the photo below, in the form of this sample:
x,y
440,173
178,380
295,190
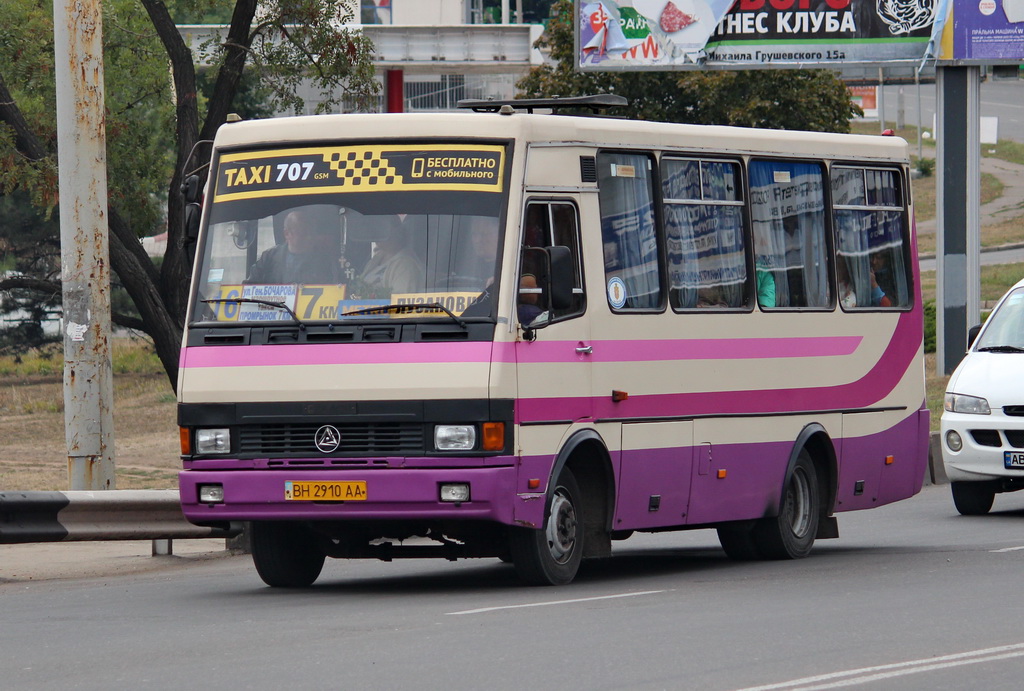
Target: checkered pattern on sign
x,y
361,169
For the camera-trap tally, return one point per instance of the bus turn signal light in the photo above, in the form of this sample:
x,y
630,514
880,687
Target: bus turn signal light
x,y
186,441
493,436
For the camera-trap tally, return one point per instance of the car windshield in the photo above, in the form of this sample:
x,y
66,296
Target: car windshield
x,y
341,230
1004,330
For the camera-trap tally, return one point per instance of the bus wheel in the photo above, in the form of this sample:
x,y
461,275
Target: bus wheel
x,y
285,554
972,498
552,556
790,535
739,544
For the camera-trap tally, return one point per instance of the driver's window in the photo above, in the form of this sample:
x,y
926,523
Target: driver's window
x,y
548,224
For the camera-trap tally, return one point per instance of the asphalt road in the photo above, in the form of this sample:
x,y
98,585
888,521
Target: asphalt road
x,y
912,596
1000,99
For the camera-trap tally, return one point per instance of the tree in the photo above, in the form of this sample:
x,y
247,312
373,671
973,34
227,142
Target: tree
x,y
779,99
154,123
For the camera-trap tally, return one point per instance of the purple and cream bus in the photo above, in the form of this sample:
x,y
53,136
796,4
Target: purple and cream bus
x,y
518,335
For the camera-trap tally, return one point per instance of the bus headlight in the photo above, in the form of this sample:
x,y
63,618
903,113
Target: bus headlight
x,y
215,440
211,494
454,437
456,492
958,403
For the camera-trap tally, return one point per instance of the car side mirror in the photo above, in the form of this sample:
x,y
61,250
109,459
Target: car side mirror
x,y
972,334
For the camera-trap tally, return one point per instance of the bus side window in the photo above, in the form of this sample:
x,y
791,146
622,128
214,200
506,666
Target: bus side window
x,y
787,209
705,233
871,237
548,224
631,264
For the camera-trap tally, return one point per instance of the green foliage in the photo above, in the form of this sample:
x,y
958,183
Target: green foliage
x,y
780,99
929,326
301,40
254,66
926,166
139,110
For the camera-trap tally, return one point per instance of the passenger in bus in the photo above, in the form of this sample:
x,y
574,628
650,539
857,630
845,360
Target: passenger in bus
x,y
883,282
847,291
307,255
484,245
527,306
710,297
765,288
393,268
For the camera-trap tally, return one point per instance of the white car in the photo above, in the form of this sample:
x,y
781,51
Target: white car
x,y
983,411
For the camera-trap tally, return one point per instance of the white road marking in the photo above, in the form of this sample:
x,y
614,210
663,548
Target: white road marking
x,y
897,669
556,602
1006,549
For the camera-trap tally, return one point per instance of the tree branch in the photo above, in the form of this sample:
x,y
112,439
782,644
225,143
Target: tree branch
x,y
25,139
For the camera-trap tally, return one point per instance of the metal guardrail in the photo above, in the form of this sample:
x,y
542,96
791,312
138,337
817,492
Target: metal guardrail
x,y
106,515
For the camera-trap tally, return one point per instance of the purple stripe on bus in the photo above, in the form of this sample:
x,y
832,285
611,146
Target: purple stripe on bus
x,y
666,350
334,354
866,391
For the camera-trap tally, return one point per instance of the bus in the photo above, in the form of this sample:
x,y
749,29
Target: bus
x,y
519,334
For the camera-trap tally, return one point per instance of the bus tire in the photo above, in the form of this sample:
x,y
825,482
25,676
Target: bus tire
x,y
972,498
790,535
552,555
285,554
739,544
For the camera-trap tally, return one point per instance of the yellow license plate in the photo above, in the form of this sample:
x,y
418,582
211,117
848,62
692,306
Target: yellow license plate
x,y
308,490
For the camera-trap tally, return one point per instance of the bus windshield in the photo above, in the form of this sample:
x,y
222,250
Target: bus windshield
x,y
345,233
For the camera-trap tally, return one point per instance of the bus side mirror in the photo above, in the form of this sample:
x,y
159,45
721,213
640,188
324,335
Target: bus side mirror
x,y
192,214
561,276
190,189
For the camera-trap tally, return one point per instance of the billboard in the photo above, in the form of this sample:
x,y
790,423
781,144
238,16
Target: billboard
x,y
982,32
742,34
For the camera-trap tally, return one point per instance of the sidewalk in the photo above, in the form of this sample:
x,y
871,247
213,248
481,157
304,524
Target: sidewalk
x,y
49,561
1009,205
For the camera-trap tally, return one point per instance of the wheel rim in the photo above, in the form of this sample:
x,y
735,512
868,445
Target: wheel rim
x,y
561,530
798,503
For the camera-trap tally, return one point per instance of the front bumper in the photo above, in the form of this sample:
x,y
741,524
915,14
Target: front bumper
x,y
985,439
392,494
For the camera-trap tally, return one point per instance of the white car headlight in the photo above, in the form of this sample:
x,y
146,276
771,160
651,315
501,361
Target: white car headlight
x,y
216,440
958,403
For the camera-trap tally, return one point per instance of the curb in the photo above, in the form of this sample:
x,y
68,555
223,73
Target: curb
x,y
936,469
994,248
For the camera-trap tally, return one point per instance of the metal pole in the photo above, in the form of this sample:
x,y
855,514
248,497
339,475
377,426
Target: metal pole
x,y
920,116
901,120
957,208
881,100
85,255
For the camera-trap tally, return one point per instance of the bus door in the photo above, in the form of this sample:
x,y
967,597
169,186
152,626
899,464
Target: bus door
x,y
554,350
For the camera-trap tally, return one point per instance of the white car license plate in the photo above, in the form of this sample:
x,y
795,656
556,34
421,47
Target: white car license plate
x,y
1013,459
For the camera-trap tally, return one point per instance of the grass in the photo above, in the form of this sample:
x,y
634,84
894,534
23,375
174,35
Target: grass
x,y
128,356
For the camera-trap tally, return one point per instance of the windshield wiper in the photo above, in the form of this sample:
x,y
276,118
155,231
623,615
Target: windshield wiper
x,y
257,301
407,308
1001,349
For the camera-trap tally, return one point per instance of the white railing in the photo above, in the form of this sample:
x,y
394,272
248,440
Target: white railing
x,y
476,48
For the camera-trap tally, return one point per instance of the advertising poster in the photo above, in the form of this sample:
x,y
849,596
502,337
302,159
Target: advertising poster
x,y
682,34
983,31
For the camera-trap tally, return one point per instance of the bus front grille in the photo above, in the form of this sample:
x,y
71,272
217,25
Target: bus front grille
x,y
374,439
